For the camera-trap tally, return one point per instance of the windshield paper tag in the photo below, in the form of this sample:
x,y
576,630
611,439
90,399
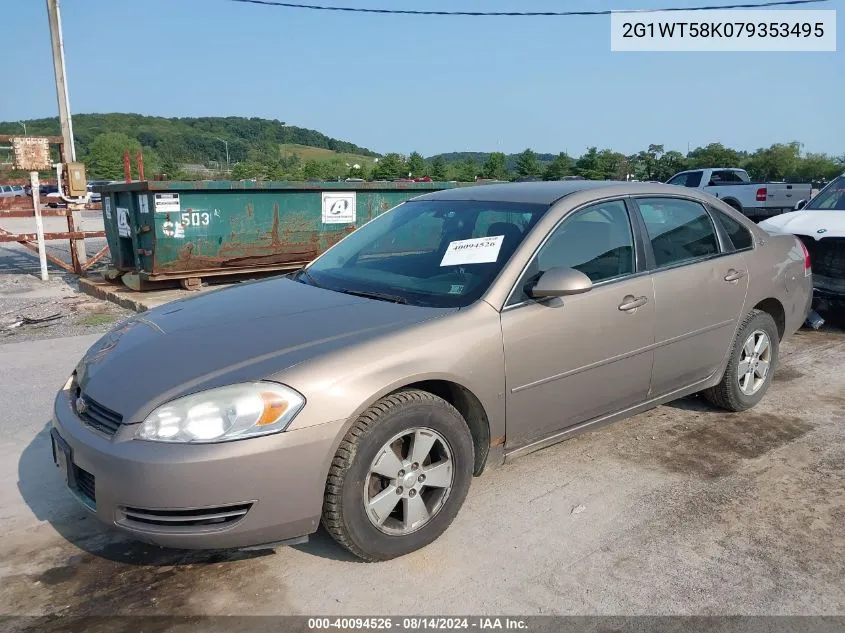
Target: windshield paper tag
x,y
479,250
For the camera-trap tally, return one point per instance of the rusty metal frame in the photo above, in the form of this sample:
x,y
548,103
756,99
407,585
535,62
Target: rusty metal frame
x,y
29,240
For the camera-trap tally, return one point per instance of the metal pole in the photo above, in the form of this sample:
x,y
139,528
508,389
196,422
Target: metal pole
x,y
24,127
127,167
39,223
69,149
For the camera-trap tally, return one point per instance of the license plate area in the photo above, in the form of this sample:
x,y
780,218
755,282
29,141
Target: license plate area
x,y
62,457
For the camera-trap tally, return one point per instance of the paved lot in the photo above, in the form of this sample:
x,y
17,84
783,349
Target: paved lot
x,y
685,510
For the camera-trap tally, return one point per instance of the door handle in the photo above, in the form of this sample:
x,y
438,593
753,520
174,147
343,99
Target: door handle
x,y
630,302
735,275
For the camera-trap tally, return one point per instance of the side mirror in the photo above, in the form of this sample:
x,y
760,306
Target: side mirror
x,y
800,205
560,282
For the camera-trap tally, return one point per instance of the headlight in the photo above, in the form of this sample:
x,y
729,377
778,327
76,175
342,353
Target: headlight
x,y
224,414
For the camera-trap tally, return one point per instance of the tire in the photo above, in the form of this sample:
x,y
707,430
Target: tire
x,y
735,205
352,484
729,393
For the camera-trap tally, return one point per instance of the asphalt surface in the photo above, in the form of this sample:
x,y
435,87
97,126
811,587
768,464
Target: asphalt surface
x,y
15,258
682,510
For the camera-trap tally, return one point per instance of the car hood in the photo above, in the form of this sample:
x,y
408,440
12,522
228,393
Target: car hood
x,y
815,224
247,332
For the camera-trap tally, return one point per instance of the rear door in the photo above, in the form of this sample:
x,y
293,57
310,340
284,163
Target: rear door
x,y
700,283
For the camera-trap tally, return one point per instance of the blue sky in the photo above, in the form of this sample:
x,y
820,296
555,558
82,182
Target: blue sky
x,y
432,84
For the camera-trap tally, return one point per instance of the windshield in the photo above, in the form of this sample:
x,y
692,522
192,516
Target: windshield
x,y
428,252
831,198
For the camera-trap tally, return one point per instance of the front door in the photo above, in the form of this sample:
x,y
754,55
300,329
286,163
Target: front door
x,y
700,290
579,357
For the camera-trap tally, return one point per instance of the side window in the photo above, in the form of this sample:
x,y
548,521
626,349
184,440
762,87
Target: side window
x,y
680,180
679,230
740,236
596,240
694,179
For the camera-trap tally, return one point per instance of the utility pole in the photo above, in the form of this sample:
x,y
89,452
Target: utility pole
x,y
24,127
69,153
226,143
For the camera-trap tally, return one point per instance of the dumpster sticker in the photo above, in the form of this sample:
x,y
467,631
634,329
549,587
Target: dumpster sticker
x,y
339,207
123,229
167,202
107,207
479,250
143,205
170,229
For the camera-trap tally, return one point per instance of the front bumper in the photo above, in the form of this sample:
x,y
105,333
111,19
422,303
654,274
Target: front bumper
x,y
233,494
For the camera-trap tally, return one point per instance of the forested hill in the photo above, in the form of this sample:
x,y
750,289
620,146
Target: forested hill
x,y
188,140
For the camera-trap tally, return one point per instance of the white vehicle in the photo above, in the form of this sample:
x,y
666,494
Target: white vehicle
x,y
12,191
820,224
734,187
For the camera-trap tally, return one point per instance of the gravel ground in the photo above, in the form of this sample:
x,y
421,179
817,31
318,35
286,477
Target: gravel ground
x,y
70,313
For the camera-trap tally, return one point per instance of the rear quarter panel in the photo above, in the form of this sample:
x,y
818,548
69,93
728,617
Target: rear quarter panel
x,y
776,271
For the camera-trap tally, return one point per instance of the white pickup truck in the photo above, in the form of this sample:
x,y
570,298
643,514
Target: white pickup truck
x,y
733,186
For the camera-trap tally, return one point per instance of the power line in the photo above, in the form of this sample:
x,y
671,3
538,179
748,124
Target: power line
x,y
317,7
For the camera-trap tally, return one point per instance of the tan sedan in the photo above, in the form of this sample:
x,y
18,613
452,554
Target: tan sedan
x,y
459,329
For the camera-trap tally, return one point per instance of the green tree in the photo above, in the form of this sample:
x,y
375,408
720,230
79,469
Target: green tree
x,y
437,169
714,155
248,170
390,167
467,170
416,164
775,162
817,168
560,166
527,164
104,158
334,169
360,171
312,170
669,164
495,167
588,165
644,164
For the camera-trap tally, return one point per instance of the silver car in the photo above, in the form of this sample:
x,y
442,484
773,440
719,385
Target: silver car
x,y
456,331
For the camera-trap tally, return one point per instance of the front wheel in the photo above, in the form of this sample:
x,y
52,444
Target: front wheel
x,y
752,364
399,476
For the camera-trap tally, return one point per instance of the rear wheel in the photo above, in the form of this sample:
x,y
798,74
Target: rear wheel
x,y
399,476
752,364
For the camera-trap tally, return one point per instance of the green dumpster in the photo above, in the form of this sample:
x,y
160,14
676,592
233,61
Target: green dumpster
x,y
163,230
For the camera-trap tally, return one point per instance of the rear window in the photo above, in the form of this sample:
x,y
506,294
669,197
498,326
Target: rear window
x,y
691,179
740,236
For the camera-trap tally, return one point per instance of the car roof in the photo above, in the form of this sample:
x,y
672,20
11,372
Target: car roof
x,y
547,192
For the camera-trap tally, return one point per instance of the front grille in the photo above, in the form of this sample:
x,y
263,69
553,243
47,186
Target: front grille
x,y
85,485
204,517
827,256
97,416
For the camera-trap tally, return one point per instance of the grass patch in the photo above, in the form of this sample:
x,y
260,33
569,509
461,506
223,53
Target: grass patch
x,y
96,319
321,154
